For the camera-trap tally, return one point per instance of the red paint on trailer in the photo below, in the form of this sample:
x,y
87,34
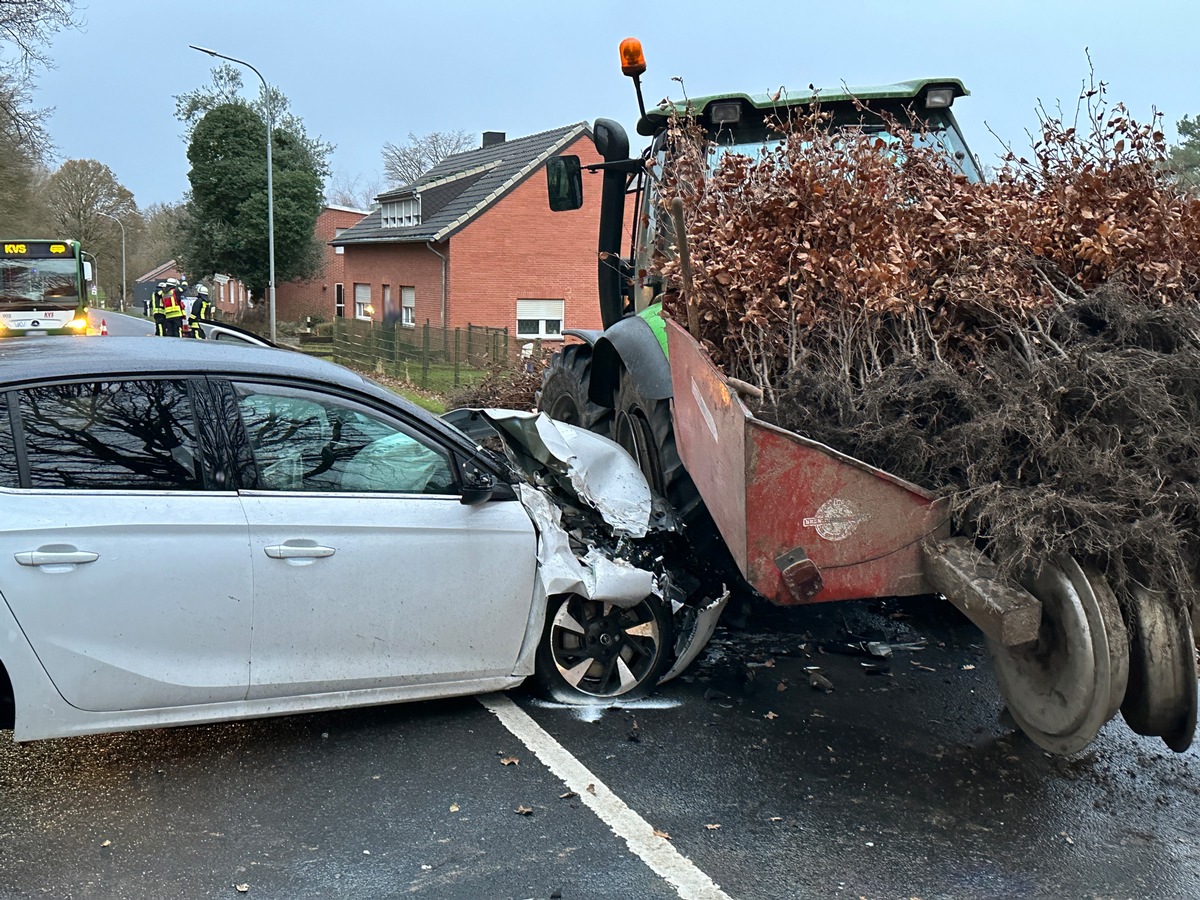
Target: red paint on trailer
x,y
771,491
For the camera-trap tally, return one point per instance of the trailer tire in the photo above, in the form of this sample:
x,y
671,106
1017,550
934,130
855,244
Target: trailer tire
x,y
564,393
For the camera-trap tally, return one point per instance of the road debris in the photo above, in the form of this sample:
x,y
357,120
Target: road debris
x,y
510,761
662,834
523,810
817,681
713,827
453,807
568,795
241,888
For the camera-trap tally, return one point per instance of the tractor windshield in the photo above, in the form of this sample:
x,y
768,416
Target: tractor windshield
x,y
939,130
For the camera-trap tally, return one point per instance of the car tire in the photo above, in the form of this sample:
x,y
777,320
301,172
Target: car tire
x,y
629,650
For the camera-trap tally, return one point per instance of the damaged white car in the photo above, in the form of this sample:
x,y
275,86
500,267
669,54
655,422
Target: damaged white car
x,y
192,532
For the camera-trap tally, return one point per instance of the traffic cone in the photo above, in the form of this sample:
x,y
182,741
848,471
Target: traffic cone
x,y
103,327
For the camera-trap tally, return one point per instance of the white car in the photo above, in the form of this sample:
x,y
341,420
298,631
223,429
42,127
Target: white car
x,y
193,532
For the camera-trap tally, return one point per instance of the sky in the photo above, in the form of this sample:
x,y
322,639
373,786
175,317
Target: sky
x,y
361,73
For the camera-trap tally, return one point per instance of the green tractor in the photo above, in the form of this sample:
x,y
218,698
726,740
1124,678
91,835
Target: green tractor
x,y
617,382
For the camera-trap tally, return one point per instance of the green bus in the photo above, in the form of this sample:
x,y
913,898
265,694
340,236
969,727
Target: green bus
x,y
43,287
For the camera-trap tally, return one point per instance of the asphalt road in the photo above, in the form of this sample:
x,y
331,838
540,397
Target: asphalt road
x,y
119,323
900,784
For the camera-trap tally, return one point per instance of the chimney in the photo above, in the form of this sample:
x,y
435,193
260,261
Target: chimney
x,y
491,138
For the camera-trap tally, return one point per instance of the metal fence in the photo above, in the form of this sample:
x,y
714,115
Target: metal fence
x,y
434,359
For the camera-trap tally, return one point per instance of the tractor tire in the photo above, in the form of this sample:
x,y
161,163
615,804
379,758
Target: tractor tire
x,y
564,393
644,428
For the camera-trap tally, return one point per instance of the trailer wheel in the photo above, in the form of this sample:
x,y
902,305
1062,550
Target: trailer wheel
x,y
1161,700
564,393
593,651
1062,687
643,427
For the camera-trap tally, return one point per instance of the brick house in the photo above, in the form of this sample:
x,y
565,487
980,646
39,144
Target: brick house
x,y
322,296
473,241
228,295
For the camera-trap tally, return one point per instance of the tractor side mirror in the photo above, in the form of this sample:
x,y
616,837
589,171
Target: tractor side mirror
x,y
564,182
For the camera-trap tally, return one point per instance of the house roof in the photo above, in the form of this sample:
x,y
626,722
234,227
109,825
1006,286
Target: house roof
x,y
158,272
462,186
345,209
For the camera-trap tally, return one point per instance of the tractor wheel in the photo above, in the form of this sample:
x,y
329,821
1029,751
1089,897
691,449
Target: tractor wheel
x,y
564,394
644,428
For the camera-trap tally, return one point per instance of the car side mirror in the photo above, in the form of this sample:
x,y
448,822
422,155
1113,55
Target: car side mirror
x,y
473,495
564,183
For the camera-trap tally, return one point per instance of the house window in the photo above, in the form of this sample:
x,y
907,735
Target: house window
x,y
539,318
337,233
339,300
408,307
401,213
362,301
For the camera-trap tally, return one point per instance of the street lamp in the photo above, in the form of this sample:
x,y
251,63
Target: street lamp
x,y
270,191
122,224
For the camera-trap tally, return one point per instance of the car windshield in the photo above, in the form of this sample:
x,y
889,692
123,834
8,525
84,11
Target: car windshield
x,y
46,282
939,132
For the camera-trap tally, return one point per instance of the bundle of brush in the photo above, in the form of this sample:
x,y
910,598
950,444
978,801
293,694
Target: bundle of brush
x,y
1028,346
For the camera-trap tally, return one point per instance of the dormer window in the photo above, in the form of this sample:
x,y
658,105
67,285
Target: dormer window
x,y
402,213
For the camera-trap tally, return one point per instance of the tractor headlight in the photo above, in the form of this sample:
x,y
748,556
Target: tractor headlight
x,y
78,324
939,98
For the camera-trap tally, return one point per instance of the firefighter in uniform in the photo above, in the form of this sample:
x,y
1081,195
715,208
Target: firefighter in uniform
x,y
156,309
201,311
173,311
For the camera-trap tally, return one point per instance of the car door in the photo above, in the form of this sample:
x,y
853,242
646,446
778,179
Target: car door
x,y
369,571
127,570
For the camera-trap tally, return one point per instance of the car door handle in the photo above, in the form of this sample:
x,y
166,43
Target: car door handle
x,y
298,551
55,557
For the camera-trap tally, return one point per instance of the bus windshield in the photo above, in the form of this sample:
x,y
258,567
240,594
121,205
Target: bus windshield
x,y
42,283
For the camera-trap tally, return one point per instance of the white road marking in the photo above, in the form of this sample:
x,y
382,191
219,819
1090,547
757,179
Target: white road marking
x,y
595,712
657,853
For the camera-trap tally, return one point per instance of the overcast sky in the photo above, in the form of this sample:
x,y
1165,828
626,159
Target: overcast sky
x,y
364,72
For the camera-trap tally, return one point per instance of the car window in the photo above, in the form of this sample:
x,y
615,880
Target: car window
x,y
9,472
110,435
306,441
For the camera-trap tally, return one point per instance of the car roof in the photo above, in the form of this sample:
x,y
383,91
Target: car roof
x,y
26,359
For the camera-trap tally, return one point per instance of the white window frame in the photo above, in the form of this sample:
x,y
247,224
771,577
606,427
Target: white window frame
x,y
408,306
401,213
337,233
362,307
541,312
339,300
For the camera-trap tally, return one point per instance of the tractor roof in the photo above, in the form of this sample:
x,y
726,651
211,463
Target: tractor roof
x,y
901,90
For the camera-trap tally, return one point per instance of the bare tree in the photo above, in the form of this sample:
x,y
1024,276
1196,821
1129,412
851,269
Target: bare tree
x,y
405,163
77,193
357,192
26,27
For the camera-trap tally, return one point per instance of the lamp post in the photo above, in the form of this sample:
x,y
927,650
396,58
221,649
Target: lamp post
x,y
270,191
122,224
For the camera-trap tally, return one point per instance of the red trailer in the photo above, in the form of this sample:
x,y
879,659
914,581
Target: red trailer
x,y
808,524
